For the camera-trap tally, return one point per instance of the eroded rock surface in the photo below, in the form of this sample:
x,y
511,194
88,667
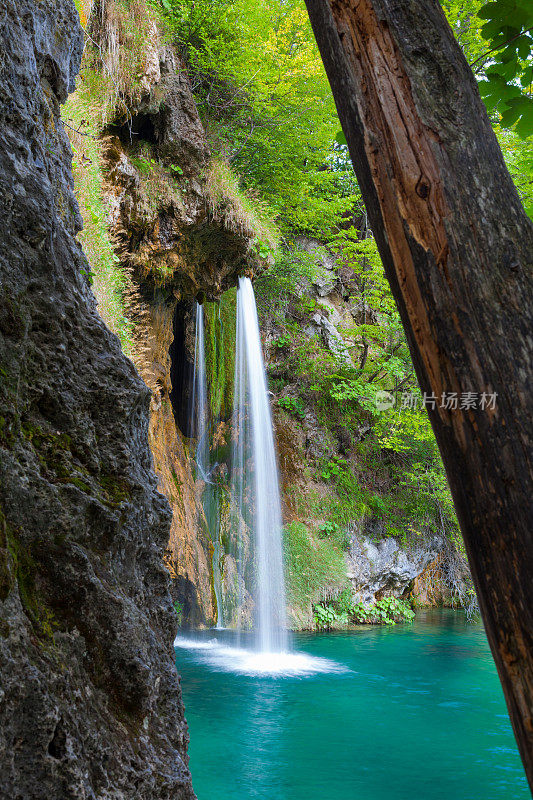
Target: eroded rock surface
x,y
385,567
90,703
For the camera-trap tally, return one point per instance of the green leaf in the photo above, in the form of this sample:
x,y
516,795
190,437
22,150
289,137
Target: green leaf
x,y
513,112
524,126
340,138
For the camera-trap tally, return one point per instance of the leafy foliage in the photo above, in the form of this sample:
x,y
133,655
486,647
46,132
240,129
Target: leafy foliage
x,y
293,405
266,103
508,77
387,611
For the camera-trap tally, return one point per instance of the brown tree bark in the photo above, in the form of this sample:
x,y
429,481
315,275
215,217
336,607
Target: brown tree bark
x,y
457,248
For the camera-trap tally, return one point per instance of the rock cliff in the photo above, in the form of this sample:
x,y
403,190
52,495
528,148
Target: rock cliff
x,y
90,703
176,235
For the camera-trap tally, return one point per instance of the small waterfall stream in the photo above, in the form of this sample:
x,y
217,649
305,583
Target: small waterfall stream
x,y
200,409
201,429
256,469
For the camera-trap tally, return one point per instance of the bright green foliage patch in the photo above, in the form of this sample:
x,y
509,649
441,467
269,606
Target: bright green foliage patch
x,y
293,405
346,611
497,40
508,78
263,94
220,353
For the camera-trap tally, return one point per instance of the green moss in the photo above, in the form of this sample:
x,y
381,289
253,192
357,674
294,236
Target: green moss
x,y
80,484
312,564
177,483
116,490
7,576
18,565
7,433
54,452
12,316
220,353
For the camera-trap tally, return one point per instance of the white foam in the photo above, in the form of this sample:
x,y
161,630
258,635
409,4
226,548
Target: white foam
x,y
224,658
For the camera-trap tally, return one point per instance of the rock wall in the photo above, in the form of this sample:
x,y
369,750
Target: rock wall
x,y
174,242
90,702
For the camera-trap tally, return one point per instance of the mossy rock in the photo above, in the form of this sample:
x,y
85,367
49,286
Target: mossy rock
x,y
7,573
12,316
17,565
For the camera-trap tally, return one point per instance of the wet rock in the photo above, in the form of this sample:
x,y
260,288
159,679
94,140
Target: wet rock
x,y
91,703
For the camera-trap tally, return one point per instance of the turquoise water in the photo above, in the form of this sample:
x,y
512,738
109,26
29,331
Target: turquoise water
x,y
418,712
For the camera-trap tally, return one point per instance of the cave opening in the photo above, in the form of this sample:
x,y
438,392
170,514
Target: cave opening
x,y
137,128
181,353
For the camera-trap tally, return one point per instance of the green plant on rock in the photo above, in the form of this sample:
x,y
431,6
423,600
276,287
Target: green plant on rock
x,y
292,405
327,528
339,613
178,608
387,611
282,341
326,617
338,471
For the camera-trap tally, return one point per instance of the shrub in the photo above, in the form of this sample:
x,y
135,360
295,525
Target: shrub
x,y
293,405
387,611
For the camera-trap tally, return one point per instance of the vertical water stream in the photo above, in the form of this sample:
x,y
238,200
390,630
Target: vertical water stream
x,y
200,429
256,483
200,410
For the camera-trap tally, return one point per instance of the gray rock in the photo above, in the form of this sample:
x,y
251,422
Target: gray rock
x,y
331,337
324,283
91,703
385,567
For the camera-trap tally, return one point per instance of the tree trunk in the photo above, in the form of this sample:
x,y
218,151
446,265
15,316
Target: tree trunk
x,y
458,250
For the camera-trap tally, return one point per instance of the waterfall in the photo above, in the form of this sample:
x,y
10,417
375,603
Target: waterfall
x,y
200,410
200,429
256,482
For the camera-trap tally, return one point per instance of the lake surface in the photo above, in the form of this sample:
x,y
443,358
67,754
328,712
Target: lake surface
x,y
379,713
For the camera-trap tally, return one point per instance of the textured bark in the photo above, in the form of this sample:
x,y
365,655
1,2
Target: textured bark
x,y
458,250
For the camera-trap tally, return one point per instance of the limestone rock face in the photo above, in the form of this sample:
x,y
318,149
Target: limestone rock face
x,y
90,703
384,567
173,247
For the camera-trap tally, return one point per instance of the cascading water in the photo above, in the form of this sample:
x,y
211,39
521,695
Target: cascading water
x,y
200,429
255,467
199,415
256,509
